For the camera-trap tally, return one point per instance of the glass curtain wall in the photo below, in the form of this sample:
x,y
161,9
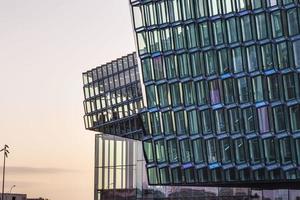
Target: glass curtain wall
x,y
228,88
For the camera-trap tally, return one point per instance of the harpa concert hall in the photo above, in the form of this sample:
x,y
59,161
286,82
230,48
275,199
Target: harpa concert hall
x,y
207,108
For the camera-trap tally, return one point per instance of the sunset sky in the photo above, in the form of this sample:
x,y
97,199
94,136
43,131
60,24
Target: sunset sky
x,y
45,45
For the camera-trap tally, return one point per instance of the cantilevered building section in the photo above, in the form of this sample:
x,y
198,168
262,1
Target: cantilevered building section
x,y
222,90
113,98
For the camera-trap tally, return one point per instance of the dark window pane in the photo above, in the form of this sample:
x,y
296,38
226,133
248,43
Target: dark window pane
x,y
163,92
289,86
168,122
226,149
215,96
206,121
279,118
261,26
276,24
198,150
152,175
295,117
171,67
263,119
282,55
177,175
246,28
286,150
273,88
239,150
257,83
270,153
185,148
193,122
148,148
237,60
211,150
255,149
189,93
175,94
292,22
220,121
202,92
160,151
234,120
244,90
249,120
173,151
155,123
228,85
164,175
180,122
232,30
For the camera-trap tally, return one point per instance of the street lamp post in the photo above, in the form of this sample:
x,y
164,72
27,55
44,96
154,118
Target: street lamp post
x,y
11,188
6,152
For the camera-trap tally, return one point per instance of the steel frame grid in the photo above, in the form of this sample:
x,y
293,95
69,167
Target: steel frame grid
x,y
213,77
118,76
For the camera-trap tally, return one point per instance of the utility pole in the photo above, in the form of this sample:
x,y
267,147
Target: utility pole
x,y
5,154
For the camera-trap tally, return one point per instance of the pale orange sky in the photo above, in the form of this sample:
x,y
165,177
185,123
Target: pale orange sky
x,y
45,45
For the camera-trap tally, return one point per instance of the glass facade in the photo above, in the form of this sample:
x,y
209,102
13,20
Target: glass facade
x,y
120,173
222,85
113,98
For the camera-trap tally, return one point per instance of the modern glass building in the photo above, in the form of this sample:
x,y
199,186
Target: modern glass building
x,y
222,91
120,173
113,98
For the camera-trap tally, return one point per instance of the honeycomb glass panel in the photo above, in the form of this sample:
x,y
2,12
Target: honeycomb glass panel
x,y
232,30
155,123
239,146
295,117
220,121
148,148
211,147
244,90
292,22
193,122
234,120
189,93
196,63
286,150
164,175
255,151
190,175
173,150
168,122
215,94
152,175
177,175
296,55
273,88
160,151
226,151
198,150
270,152
186,154
171,67
249,120
263,119
279,118
202,92
206,122
180,120
277,29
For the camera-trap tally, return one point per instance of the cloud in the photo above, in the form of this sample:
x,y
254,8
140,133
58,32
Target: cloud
x,y
37,170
